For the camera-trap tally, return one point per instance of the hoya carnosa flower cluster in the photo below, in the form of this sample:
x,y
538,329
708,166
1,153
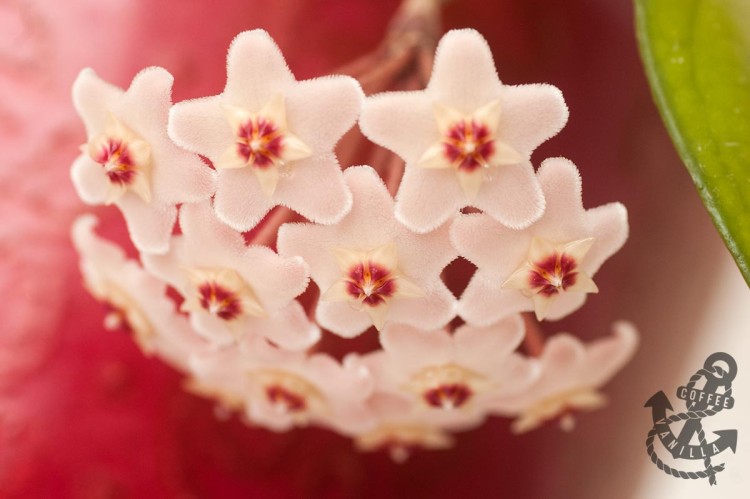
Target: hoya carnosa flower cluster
x,y
277,244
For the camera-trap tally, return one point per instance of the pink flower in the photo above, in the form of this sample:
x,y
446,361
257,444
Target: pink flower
x,y
231,290
271,137
157,440
466,138
135,300
130,161
452,379
281,389
571,373
372,270
546,267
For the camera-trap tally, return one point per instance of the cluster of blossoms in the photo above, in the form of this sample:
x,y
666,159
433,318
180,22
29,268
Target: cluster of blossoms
x,y
236,202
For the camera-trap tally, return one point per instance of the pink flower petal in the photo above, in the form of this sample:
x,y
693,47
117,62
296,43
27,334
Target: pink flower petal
x,y
531,114
414,349
485,302
483,348
426,199
200,126
464,74
89,180
465,86
368,226
316,190
240,200
342,319
256,70
606,356
91,95
565,220
313,114
403,122
322,110
513,197
150,225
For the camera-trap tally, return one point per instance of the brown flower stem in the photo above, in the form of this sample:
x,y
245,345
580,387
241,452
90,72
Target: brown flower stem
x,y
533,343
425,61
384,73
404,62
265,234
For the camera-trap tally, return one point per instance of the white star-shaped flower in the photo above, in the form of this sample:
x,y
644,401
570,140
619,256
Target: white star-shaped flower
x,y
546,267
232,290
372,270
467,138
453,378
271,137
571,374
136,301
130,161
280,389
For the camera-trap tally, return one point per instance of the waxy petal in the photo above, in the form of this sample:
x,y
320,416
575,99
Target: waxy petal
x,y
371,227
513,196
90,181
464,75
150,225
131,126
201,126
403,122
418,205
492,172
532,114
138,299
606,356
92,95
207,246
309,118
256,71
564,222
470,368
571,373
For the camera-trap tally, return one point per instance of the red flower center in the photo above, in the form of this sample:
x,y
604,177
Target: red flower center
x,y
289,401
448,396
117,161
554,274
370,283
259,142
469,145
219,301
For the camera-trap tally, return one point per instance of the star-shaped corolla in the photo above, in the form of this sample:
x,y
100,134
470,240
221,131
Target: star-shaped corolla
x,y
467,138
135,300
571,374
454,378
232,290
547,267
130,161
372,270
271,137
281,389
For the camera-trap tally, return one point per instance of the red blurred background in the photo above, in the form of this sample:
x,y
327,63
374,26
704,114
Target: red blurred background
x,y
84,414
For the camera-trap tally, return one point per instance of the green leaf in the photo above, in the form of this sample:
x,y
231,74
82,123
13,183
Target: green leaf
x,y
697,58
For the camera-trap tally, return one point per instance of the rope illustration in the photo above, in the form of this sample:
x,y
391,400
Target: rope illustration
x,y
710,470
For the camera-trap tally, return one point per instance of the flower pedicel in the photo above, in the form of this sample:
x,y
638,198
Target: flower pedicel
x,y
349,259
